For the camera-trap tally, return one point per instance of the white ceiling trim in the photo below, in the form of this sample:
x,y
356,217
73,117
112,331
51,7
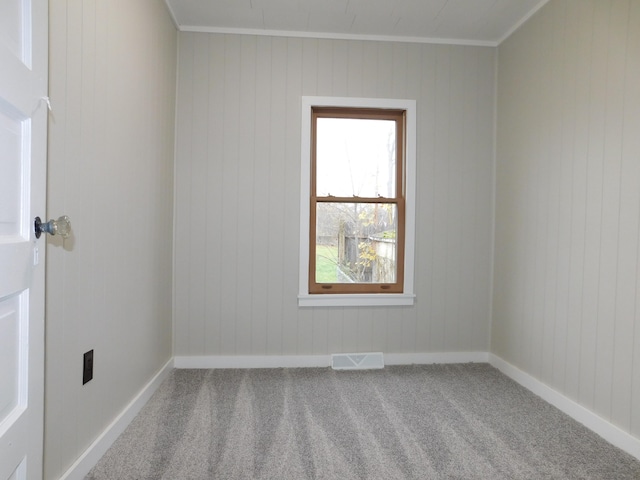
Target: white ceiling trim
x,y
172,14
340,36
523,21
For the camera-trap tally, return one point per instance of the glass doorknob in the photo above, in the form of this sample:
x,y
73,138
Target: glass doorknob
x,y
61,226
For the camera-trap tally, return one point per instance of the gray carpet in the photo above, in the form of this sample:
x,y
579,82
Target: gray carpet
x,y
412,422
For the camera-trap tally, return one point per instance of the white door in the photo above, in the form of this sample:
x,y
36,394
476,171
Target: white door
x,y
23,140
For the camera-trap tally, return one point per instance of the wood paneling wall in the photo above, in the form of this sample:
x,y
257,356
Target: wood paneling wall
x,y
238,184
567,275
111,148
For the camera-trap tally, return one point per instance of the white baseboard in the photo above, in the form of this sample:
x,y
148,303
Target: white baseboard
x,y
252,361
589,419
430,358
299,361
99,447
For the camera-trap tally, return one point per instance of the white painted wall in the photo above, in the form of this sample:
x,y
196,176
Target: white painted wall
x,y
237,194
566,306
112,88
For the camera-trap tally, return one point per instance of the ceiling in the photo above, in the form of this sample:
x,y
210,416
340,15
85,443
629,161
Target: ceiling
x,y
474,22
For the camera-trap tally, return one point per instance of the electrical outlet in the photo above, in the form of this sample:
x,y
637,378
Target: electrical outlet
x,y
87,369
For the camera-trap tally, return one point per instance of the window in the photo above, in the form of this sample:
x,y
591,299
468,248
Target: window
x,y
356,228
357,202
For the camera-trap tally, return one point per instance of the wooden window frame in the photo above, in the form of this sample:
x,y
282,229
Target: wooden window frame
x,y
407,297
398,200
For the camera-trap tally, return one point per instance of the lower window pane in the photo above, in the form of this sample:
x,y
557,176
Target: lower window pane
x,y
356,242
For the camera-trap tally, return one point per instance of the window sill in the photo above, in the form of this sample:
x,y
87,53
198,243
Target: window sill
x,y
359,300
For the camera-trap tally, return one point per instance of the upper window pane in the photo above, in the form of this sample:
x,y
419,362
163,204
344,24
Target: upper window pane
x,y
355,157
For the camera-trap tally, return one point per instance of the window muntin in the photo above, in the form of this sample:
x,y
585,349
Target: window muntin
x,y
357,204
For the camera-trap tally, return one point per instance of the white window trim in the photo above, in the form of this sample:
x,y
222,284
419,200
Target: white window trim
x,y
305,299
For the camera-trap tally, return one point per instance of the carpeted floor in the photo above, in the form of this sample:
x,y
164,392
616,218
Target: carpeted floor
x,y
411,422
